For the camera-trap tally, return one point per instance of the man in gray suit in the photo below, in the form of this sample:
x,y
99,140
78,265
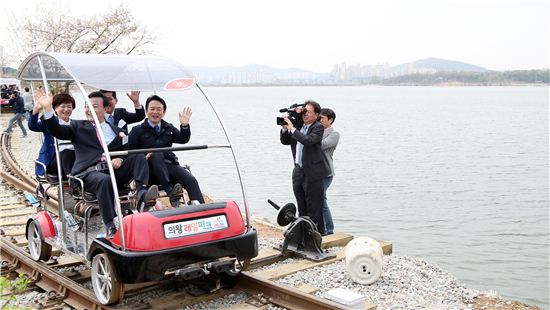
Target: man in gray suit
x,y
310,166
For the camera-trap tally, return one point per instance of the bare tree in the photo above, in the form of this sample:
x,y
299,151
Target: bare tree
x,y
51,28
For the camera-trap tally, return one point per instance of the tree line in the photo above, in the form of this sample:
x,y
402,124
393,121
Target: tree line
x,y
540,76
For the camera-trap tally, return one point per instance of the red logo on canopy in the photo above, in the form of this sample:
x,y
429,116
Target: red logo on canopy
x,y
179,84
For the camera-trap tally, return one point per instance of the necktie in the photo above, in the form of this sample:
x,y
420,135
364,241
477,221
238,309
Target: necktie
x,y
111,119
103,158
157,128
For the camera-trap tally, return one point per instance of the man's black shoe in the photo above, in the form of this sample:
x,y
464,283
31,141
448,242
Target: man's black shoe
x,y
126,210
149,199
111,230
175,195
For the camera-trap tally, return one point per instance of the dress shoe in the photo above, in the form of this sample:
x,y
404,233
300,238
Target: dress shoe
x,y
149,199
111,230
175,195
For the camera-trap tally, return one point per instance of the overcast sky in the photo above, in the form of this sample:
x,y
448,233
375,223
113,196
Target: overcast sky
x,y
315,35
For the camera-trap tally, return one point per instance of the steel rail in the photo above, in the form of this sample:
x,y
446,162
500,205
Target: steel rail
x,y
11,163
15,259
57,285
284,296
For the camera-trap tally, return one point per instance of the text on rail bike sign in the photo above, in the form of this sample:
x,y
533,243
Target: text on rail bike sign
x,y
194,227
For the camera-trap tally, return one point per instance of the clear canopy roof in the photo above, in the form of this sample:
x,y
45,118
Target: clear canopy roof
x,y
109,71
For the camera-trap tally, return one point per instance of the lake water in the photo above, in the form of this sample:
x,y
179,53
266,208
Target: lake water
x,y
455,175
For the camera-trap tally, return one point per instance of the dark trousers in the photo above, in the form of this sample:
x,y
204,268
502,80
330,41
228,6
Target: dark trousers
x,y
309,196
133,167
167,174
67,162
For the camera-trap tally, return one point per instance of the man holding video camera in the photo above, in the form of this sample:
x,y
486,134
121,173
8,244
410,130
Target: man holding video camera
x,y
309,165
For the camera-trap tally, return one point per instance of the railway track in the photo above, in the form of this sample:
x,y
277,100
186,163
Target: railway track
x,y
65,281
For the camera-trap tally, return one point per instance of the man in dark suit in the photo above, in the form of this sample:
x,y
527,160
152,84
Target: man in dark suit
x,y
154,132
309,165
120,117
90,159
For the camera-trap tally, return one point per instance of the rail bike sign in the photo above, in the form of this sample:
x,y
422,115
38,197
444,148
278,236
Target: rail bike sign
x,y
179,84
196,226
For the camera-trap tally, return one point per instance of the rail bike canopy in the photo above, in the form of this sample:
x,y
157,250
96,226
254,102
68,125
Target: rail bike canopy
x,y
109,71
121,73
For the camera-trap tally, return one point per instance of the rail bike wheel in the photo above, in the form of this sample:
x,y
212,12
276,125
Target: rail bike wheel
x,y
38,249
106,286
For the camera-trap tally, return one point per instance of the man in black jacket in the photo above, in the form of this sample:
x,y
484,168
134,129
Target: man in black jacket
x,y
120,117
309,165
19,112
90,159
154,132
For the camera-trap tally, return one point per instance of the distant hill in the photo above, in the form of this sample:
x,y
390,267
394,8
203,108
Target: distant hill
x,y
250,74
245,68
429,71
438,65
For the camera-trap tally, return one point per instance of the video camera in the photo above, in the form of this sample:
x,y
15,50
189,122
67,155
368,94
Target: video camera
x,y
294,113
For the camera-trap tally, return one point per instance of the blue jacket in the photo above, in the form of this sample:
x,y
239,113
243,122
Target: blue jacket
x,y
47,151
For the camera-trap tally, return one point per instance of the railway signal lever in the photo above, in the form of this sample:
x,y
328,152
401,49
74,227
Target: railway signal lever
x,y
301,235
